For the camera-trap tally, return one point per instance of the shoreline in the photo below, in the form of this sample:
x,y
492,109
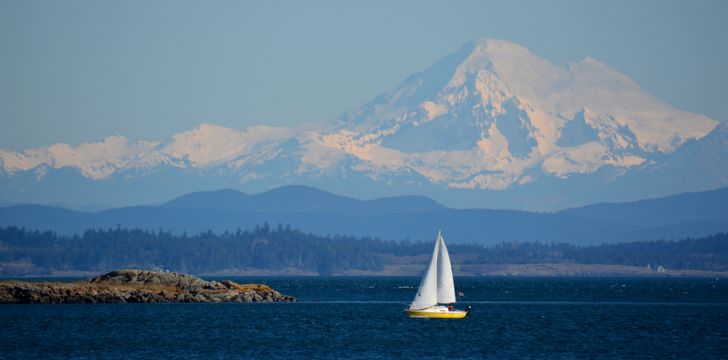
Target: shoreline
x,y
469,270
550,270
136,286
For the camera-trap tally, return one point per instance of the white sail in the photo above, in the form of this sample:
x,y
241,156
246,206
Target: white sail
x,y
427,292
445,285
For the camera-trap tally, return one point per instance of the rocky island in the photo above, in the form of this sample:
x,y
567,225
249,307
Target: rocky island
x,y
136,286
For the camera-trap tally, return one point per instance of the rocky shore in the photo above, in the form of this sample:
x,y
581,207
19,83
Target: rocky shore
x,y
136,286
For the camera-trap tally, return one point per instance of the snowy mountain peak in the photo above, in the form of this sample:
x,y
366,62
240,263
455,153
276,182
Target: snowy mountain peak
x,y
99,160
201,147
490,116
498,113
495,49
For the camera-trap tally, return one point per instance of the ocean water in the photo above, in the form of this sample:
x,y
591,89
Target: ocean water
x,y
363,318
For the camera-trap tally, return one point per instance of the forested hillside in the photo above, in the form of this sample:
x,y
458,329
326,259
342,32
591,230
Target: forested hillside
x,y
281,249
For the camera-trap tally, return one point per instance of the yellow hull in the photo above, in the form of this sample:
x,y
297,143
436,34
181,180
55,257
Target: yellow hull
x,y
456,314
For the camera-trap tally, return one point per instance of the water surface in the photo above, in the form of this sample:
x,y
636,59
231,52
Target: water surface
x,y
359,317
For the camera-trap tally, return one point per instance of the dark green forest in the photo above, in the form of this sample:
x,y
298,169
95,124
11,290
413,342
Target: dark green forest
x,y
281,247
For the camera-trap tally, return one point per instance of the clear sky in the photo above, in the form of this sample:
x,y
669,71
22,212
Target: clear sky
x,y
77,71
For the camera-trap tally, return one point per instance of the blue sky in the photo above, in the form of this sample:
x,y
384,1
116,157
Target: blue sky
x,y
77,71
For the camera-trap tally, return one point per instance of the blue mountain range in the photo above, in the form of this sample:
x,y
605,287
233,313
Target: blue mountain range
x,y
395,218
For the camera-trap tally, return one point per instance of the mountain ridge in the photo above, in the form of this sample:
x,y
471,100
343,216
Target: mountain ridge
x,y
483,126
692,206
397,220
299,199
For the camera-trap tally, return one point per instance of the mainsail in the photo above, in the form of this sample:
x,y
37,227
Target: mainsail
x,y
437,284
427,293
445,284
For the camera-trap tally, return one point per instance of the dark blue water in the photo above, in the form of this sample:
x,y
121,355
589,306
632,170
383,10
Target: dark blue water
x,y
349,318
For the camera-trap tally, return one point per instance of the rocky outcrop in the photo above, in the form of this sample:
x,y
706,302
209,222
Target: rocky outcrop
x,y
137,286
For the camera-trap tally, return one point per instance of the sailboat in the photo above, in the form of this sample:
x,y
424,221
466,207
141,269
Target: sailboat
x,y
437,288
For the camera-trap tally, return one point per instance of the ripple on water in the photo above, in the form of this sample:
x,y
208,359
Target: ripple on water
x,y
363,318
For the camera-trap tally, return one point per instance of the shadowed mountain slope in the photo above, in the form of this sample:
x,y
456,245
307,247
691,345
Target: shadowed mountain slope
x,y
398,218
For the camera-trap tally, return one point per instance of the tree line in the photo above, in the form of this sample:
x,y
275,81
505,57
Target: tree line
x,y
282,248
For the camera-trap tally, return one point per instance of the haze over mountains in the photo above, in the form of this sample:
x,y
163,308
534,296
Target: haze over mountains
x,y
490,126
398,218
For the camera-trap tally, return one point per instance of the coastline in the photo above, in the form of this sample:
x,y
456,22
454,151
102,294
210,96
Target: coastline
x,y
546,270
493,270
136,286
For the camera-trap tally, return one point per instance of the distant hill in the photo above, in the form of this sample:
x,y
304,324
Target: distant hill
x,y
398,218
695,207
301,199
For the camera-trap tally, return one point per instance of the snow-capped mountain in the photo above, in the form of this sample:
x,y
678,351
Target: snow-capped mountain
x,y
203,147
489,125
